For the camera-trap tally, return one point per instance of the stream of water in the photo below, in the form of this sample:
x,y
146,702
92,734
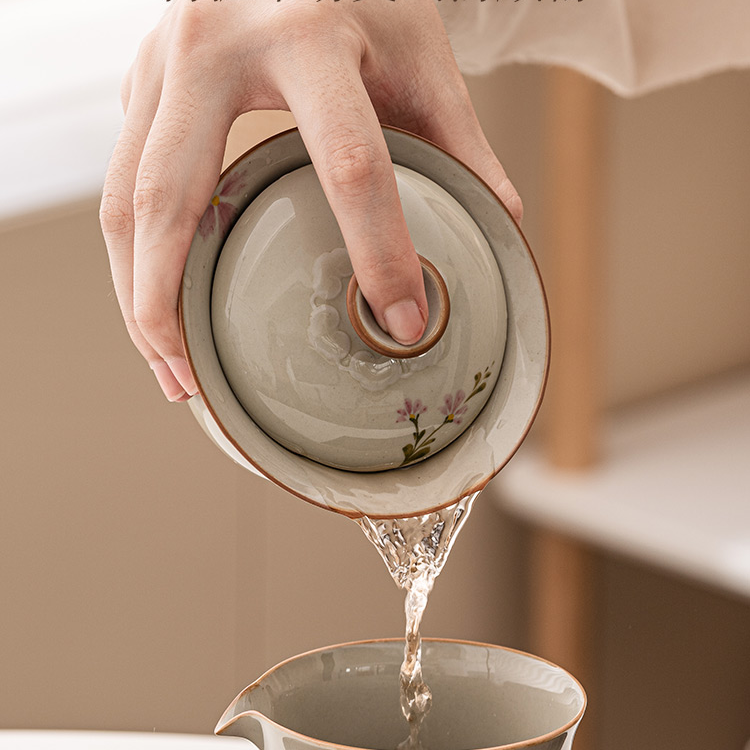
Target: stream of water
x,y
415,550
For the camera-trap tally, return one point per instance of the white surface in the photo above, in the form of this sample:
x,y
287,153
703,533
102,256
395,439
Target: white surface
x,y
61,64
24,739
673,488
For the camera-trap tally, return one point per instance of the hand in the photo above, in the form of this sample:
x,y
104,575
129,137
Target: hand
x,y
341,68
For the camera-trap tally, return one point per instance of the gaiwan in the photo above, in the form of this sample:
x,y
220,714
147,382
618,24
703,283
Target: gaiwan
x,y
297,381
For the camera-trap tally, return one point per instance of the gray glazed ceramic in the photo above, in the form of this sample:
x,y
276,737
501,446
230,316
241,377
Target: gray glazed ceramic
x,y
489,336
293,359
347,696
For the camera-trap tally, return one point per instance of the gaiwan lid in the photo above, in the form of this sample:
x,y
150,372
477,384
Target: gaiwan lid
x,y
328,383
296,379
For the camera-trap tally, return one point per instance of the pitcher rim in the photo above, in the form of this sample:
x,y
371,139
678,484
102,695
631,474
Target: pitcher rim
x,y
224,723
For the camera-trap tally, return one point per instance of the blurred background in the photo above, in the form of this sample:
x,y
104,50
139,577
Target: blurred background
x,y
145,579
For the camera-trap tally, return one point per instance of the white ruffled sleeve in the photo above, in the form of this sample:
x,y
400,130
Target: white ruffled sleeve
x,y
631,46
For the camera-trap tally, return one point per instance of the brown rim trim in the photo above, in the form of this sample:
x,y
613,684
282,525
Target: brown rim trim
x,y
379,341
480,485
533,742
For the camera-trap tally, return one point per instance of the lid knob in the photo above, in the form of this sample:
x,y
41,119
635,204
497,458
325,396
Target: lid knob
x,y
367,328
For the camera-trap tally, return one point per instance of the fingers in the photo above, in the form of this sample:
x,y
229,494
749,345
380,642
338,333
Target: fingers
x,y
163,170
179,168
456,129
141,92
168,157
427,95
345,141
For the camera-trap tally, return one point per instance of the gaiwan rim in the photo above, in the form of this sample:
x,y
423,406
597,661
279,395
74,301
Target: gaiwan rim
x,y
402,492
227,719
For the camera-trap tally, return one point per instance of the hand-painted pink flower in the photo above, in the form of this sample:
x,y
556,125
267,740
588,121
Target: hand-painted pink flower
x,y
454,407
411,410
220,212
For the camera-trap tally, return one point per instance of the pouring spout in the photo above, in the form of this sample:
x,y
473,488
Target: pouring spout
x,y
248,725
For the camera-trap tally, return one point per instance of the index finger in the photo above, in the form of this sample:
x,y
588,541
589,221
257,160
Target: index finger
x,y
343,136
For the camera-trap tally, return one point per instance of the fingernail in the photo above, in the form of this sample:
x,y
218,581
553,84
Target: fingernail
x,y
173,390
404,321
181,370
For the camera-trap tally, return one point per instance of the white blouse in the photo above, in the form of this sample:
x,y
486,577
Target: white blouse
x,y
631,46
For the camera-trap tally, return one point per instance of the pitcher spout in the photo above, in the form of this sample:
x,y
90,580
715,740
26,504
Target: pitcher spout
x,y
248,724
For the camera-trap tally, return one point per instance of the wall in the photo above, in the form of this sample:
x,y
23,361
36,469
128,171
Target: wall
x,y
675,227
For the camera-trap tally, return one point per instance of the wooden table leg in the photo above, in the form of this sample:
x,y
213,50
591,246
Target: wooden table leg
x,y
562,580
575,155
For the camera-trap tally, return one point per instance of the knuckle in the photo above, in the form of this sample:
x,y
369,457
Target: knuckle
x,y
149,51
115,214
193,27
150,321
149,46
151,196
298,23
353,165
147,60
312,35
149,202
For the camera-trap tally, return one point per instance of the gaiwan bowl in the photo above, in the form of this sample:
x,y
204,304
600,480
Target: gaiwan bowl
x,y
296,380
347,696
